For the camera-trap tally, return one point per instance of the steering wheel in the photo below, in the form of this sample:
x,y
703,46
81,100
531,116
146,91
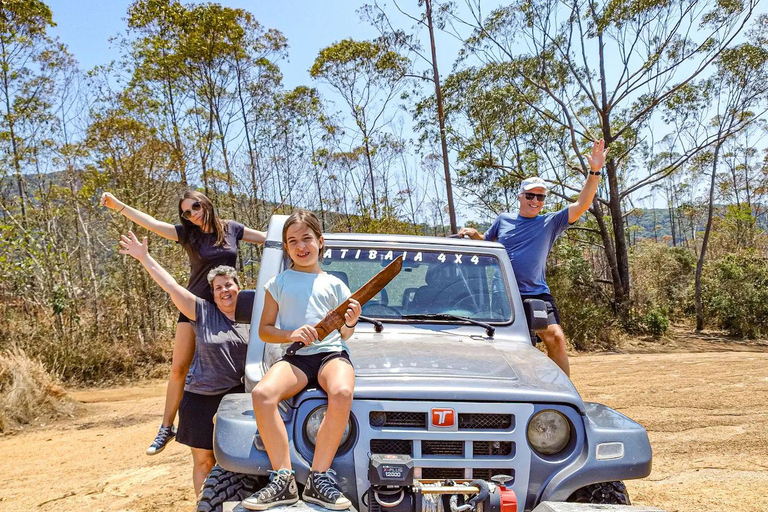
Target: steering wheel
x,y
465,301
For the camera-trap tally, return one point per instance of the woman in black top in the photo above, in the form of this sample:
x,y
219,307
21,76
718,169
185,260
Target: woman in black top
x,y
209,242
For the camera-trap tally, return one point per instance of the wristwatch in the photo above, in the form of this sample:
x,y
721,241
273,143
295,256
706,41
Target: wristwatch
x,y
595,173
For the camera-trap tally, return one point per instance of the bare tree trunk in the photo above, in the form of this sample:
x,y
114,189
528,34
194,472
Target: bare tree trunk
x,y
621,276
370,173
705,240
88,247
247,132
441,121
178,146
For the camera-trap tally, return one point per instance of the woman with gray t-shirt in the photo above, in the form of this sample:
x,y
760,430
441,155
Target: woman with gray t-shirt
x,y
218,365
209,242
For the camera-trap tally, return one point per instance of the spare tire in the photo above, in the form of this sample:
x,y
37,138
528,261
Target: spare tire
x,y
605,493
222,485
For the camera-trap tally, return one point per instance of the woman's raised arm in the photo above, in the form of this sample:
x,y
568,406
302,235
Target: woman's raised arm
x,y
253,236
181,297
144,220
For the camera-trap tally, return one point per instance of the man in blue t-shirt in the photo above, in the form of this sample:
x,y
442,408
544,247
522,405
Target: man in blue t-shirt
x,y
528,238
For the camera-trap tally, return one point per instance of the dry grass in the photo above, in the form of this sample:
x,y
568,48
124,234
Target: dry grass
x,y
27,392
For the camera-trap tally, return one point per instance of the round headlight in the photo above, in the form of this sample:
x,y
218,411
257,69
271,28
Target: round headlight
x,y
312,425
549,432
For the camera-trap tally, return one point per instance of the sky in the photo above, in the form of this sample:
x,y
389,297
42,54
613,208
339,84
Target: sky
x,y
85,26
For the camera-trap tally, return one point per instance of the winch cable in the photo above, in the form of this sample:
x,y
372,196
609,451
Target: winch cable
x,y
433,502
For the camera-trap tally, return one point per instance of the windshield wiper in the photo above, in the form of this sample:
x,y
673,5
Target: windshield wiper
x,y
489,329
377,326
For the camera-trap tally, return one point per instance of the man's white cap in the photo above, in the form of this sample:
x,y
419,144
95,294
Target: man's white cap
x,y
534,182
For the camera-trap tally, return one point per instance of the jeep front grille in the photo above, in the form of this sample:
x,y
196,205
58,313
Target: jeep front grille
x,y
442,448
471,421
492,448
488,439
442,473
398,419
486,474
485,421
461,474
392,446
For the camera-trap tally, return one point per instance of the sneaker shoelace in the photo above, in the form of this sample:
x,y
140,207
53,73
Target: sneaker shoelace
x,y
277,481
326,485
162,436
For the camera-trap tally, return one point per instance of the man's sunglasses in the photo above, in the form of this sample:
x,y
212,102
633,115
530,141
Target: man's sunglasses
x,y
530,195
188,213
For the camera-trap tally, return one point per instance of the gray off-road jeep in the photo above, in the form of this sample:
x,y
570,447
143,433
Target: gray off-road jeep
x,y
454,408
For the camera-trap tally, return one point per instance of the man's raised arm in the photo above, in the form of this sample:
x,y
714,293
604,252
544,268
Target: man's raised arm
x,y
596,161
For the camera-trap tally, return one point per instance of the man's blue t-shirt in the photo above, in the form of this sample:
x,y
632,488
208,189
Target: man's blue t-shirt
x,y
528,241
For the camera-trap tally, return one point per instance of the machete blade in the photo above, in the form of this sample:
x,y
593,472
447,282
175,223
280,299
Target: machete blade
x,y
335,319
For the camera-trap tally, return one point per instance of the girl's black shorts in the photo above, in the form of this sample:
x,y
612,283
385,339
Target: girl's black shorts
x,y
310,365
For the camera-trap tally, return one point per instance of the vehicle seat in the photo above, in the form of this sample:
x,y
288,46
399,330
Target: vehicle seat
x,y
408,295
341,275
427,298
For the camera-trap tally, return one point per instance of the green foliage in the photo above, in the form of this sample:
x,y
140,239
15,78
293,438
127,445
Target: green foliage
x,y
343,60
386,222
588,321
735,294
663,279
656,321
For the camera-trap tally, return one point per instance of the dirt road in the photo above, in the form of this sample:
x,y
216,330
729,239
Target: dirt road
x,y
706,414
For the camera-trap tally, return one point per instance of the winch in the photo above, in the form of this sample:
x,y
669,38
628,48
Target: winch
x,y
394,489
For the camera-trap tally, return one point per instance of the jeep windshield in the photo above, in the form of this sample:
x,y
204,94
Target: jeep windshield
x,y
456,283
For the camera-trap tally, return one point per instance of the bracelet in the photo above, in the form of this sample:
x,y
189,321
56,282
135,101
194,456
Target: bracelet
x,y
350,326
595,173
121,209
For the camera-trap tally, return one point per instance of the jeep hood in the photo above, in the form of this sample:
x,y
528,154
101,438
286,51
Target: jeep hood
x,y
441,366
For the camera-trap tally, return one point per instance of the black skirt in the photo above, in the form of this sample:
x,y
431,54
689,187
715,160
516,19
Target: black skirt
x,y
196,418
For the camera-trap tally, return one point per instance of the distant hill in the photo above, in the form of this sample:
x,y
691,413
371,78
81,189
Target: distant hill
x,y
655,223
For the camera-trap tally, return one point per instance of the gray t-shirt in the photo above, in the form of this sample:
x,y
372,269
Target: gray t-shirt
x,y
220,348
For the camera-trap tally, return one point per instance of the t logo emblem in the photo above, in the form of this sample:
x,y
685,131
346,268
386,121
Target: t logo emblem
x,y
444,418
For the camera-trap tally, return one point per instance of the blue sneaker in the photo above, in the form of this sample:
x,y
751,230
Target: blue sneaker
x,y
163,437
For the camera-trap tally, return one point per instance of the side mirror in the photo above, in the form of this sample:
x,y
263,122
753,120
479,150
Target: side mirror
x,y
536,313
244,306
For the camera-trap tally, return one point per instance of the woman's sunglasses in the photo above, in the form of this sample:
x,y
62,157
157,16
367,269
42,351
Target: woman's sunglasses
x,y
188,213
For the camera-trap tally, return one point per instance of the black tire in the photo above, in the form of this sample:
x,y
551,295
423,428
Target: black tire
x,y
222,485
605,493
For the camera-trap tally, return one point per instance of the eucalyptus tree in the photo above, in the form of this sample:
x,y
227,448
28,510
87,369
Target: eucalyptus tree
x,y
29,61
133,162
431,15
211,34
304,111
741,83
255,63
745,182
157,83
605,70
369,76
